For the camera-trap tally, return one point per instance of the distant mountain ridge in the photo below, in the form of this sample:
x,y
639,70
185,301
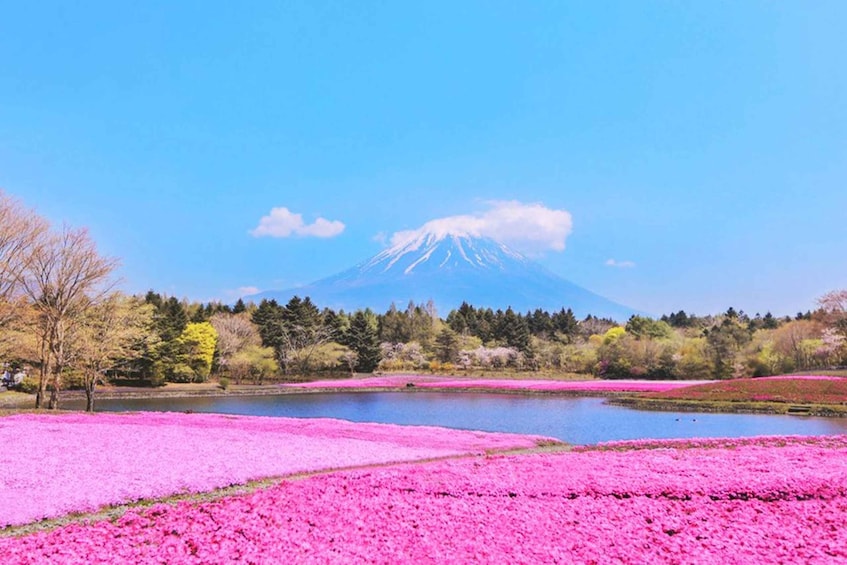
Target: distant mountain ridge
x,y
451,267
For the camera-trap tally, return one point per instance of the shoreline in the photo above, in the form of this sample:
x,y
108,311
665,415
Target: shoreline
x,y
28,402
731,407
624,398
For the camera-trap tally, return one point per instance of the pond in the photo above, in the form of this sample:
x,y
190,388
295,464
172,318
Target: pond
x,y
573,420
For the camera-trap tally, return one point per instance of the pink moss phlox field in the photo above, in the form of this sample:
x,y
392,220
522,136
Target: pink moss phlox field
x,y
753,502
801,378
827,442
58,464
554,386
426,381
387,381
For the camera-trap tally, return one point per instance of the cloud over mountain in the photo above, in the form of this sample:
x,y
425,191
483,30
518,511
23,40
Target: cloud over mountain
x,y
450,268
529,227
281,222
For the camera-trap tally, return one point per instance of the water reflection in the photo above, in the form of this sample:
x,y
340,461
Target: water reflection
x,y
574,420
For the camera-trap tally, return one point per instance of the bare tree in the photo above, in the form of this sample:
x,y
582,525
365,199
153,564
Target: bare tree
x,y
235,333
350,358
64,277
253,361
594,326
300,343
109,333
20,229
833,306
794,341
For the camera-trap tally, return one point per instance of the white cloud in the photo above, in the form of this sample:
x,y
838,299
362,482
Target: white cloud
x,y
282,222
532,227
619,264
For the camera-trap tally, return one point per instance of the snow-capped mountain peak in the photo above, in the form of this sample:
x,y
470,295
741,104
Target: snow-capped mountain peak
x,y
441,249
450,264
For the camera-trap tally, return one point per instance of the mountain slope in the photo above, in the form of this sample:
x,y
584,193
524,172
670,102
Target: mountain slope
x,y
451,267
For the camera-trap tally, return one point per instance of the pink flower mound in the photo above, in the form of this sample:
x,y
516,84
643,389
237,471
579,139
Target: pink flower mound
x,y
775,500
800,378
388,381
555,386
395,381
55,465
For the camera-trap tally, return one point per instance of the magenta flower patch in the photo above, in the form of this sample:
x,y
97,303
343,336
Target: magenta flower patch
x,y
58,464
426,381
717,501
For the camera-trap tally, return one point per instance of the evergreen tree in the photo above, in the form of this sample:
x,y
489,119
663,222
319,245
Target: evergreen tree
x,y
486,322
363,338
153,298
199,315
457,322
239,307
498,327
724,342
540,323
769,322
302,315
513,330
447,346
171,317
756,323
268,317
678,320
565,324
394,326
420,324
337,322
521,338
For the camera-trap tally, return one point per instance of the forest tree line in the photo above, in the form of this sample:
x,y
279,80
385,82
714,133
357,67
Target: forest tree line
x,y
62,319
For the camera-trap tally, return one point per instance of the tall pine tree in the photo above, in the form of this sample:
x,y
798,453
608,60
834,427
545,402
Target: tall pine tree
x,y
363,338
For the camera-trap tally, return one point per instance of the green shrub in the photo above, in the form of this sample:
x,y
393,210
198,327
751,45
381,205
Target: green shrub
x,y
181,373
72,381
223,382
29,385
157,380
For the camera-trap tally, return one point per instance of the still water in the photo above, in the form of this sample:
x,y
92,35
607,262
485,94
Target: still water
x,y
574,420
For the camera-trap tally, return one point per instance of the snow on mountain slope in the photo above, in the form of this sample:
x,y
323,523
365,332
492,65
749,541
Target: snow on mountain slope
x,y
448,251
450,267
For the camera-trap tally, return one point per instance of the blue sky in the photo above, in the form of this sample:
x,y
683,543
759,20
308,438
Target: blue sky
x,y
699,148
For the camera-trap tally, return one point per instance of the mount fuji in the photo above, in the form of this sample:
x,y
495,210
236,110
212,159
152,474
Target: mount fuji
x,y
450,267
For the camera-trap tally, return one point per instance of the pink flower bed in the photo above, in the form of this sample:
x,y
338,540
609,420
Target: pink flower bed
x,y
395,381
57,464
555,386
800,378
388,381
749,501
825,442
